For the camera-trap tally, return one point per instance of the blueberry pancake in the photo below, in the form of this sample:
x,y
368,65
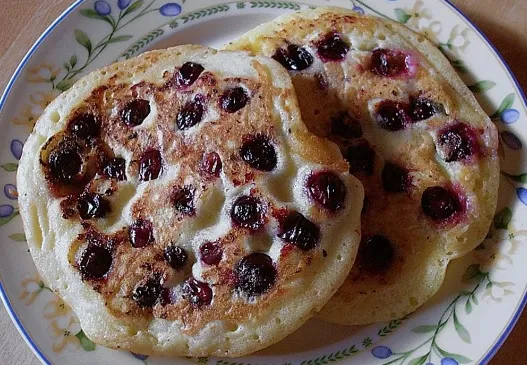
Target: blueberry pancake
x,y
178,203
412,133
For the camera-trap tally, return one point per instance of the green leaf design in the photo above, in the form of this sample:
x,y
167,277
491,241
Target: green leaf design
x,y
507,102
503,218
425,329
459,66
522,178
402,16
205,12
5,220
85,342
475,300
339,355
18,237
90,13
65,84
367,342
468,306
390,327
275,4
459,358
10,167
471,273
66,66
134,7
461,330
419,360
120,38
482,86
83,39
142,43
73,60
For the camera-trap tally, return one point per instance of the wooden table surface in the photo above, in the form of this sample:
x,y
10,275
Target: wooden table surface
x,y
22,21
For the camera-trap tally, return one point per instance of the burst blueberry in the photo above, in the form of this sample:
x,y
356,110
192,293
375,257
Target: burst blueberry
x,y
294,58
197,293
95,262
439,203
256,274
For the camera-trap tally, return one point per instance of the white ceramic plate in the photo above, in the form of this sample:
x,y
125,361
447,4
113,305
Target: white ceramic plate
x,y
484,292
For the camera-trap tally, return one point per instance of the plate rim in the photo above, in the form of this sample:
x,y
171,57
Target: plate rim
x,y
34,47
523,303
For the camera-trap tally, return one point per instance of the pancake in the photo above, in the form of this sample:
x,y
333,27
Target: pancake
x,y
179,205
413,134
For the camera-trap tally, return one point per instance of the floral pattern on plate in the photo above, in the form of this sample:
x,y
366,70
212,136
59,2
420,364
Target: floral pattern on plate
x,y
443,332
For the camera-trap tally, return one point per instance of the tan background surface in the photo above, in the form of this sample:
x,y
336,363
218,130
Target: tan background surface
x,y
22,21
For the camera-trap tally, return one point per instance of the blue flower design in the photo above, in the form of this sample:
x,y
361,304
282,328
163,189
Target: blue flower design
x,y
6,210
381,352
10,191
522,195
511,140
122,4
16,148
170,9
139,356
449,361
429,363
358,9
510,116
102,7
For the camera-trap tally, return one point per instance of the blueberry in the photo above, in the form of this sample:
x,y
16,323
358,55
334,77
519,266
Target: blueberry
x,y
210,253
188,74
327,189
135,112
191,114
259,153
115,168
141,233
395,178
376,253
197,292
150,165
388,63
439,203
256,274
91,205
294,58
184,200
299,231
247,212
234,99
332,47
95,262
148,293
175,256
392,116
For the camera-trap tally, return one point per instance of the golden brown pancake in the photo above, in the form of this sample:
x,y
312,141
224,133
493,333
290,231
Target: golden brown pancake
x,y
413,134
179,205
